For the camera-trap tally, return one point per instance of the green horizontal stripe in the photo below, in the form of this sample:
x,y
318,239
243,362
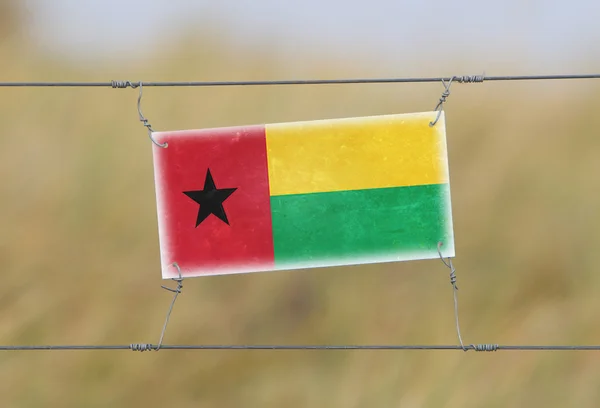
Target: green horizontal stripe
x,y
337,227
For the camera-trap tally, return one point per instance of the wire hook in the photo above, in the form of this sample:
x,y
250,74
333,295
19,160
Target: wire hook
x,y
145,121
455,290
177,291
178,280
443,98
449,266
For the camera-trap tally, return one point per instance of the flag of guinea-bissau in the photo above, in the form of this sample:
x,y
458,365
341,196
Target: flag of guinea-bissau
x,y
303,194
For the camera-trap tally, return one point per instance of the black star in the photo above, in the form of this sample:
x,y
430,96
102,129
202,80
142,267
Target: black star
x,y
210,200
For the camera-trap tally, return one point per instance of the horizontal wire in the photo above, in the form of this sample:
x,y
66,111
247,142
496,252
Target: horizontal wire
x,y
151,347
460,79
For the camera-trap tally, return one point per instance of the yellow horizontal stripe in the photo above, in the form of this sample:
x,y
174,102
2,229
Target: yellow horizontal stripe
x,y
356,153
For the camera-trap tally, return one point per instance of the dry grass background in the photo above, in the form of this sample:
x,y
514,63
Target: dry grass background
x,y
79,247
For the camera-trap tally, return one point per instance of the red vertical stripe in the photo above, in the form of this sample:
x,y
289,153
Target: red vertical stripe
x,y
237,159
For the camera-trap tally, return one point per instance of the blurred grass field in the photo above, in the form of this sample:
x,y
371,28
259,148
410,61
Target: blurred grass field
x,y
79,246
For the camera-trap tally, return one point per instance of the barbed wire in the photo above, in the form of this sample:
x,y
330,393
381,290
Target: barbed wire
x,y
151,347
446,81
459,79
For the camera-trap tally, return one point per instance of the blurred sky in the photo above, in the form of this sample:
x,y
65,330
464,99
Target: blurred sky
x,y
551,36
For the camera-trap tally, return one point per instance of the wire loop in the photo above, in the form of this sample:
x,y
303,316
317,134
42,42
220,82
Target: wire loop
x,y
465,79
143,119
443,98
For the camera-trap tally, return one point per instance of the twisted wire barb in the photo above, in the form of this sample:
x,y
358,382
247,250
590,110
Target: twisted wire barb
x,y
469,79
125,84
141,347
